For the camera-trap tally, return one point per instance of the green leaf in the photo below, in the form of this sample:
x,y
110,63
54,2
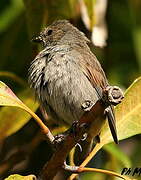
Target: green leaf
x,y
10,13
15,48
19,177
93,15
118,154
12,119
90,175
137,43
35,14
134,7
89,5
14,77
70,7
87,12
128,115
40,13
7,97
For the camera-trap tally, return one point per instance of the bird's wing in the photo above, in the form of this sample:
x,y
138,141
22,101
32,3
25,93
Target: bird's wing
x,y
94,72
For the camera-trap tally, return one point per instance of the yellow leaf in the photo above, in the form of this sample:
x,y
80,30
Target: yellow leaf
x,y
128,115
12,119
9,124
19,177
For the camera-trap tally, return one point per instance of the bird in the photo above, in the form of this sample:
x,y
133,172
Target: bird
x,y
68,78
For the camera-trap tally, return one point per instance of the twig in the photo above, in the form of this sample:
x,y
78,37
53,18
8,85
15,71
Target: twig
x,y
43,127
89,157
82,169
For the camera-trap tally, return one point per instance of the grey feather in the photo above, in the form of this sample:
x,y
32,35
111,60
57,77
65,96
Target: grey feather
x,y
62,79
66,73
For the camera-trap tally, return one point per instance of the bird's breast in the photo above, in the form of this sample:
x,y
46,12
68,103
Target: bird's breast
x,y
67,88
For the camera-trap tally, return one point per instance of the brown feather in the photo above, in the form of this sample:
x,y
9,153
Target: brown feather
x,y
94,72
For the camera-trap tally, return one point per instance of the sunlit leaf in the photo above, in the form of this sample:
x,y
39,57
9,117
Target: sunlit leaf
x,y
7,97
12,119
19,177
87,12
128,115
93,15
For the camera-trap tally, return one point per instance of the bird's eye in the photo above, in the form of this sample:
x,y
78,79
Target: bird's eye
x,y
49,32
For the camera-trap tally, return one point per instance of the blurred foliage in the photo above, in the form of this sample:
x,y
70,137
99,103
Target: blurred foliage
x,y
121,59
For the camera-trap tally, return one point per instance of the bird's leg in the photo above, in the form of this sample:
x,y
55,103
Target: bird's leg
x,y
75,126
73,131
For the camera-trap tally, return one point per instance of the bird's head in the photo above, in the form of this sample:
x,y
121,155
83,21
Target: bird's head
x,y
60,32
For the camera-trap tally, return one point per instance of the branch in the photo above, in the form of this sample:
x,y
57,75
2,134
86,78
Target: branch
x,y
56,162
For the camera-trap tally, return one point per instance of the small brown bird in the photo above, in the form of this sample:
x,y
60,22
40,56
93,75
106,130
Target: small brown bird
x,y
68,78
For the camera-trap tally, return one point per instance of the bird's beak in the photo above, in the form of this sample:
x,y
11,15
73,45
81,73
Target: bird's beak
x,y
37,39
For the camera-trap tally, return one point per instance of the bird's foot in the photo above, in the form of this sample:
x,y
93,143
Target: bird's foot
x,y
58,140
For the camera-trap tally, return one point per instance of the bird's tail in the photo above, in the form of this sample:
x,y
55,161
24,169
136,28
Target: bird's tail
x,y
112,122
